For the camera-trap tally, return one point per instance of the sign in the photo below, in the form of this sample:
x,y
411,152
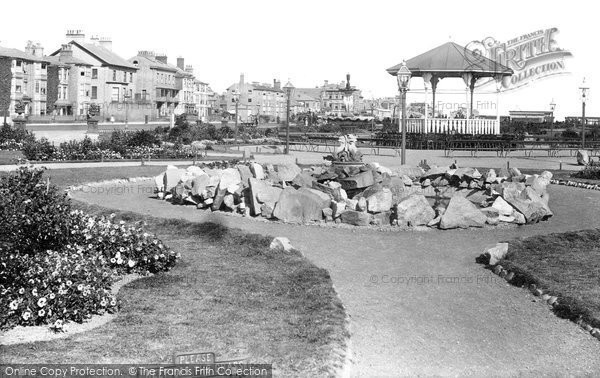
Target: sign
x,y
195,358
532,56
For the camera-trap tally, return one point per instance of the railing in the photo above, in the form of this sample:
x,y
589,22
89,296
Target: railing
x,y
452,125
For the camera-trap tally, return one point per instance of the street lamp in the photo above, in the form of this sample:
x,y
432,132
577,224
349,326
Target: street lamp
x,y
552,107
236,98
288,87
403,76
584,93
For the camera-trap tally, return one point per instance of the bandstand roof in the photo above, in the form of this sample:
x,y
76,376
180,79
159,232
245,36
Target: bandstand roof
x,y
452,60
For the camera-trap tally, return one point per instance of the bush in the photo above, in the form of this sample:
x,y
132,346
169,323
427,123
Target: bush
x,y
590,172
57,265
38,150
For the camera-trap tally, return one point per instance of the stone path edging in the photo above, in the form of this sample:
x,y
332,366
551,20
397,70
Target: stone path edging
x,y
552,301
576,184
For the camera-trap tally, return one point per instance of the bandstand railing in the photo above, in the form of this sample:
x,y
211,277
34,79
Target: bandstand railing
x,y
453,125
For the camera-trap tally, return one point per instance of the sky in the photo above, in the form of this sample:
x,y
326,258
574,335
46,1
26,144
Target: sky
x,y
311,41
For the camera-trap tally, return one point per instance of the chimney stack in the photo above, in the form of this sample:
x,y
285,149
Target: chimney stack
x,y
106,43
76,35
161,58
276,84
147,53
241,80
66,51
95,40
189,69
180,63
326,83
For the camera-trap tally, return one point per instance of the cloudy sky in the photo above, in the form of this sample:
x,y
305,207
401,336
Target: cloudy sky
x,y
311,41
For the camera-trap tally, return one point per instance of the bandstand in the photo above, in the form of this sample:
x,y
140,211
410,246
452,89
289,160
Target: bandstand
x,y
451,60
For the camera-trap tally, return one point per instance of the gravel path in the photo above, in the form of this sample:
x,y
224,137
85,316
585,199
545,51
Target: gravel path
x,y
418,302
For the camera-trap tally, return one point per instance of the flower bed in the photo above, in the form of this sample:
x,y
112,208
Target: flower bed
x,y
58,264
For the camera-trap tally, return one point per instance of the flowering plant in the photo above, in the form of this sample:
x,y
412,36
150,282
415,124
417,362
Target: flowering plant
x,y
58,264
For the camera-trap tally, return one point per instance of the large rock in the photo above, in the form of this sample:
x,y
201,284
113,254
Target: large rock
x,y
529,203
261,192
172,178
230,176
304,179
302,205
582,157
503,207
199,184
257,170
195,170
412,172
461,213
287,171
414,211
490,176
397,188
356,218
245,174
359,181
159,183
496,253
470,173
539,184
435,172
380,201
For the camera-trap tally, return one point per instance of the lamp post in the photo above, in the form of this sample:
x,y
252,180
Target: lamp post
x,y
288,87
236,99
126,100
584,93
552,107
403,76
372,117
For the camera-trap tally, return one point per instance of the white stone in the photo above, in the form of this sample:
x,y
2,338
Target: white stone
x,y
281,243
258,171
496,253
195,171
503,207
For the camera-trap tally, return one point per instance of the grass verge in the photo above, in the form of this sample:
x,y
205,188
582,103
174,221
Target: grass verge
x,y
229,294
566,265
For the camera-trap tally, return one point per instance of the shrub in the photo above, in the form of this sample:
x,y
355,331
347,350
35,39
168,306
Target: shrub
x,y
34,216
56,264
590,172
38,150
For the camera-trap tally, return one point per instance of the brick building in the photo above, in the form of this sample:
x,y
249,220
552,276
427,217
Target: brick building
x,y
111,78
23,79
260,101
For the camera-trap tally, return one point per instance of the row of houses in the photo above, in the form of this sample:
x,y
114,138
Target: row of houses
x,y
64,83
265,102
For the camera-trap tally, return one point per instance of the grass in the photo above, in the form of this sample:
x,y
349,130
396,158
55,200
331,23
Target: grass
x,y
229,294
566,265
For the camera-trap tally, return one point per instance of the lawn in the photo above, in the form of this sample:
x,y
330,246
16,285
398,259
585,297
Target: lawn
x,y
566,265
229,294
10,157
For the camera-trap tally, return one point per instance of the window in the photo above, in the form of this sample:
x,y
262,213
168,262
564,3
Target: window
x,y
82,73
114,75
43,89
94,92
18,89
131,77
43,66
94,73
115,92
249,100
19,63
37,87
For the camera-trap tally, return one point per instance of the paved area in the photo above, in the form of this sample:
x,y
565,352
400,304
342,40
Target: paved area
x,y
413,157
418,302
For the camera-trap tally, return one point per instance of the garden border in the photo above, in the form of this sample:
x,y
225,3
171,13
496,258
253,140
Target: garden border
x,y
552,301
32,334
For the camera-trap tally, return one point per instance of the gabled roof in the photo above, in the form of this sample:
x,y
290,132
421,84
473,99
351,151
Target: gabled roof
x,y
106,56
18,54
61,60
452,60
